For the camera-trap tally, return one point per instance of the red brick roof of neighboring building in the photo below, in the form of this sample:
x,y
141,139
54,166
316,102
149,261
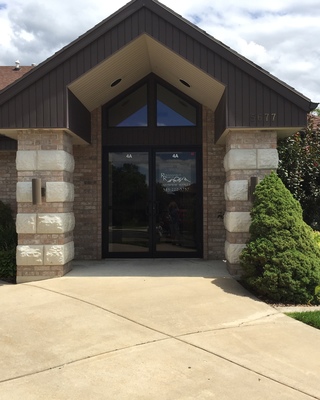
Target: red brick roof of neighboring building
x,y
316,122
10,74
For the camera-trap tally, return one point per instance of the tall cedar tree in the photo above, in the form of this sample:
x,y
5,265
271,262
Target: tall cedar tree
x,y
281,262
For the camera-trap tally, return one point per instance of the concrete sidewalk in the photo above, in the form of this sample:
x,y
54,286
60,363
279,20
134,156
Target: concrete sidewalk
x,y
151,329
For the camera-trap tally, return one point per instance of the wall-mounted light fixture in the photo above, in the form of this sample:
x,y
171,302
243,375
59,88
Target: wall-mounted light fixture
x,y
37,191
254,180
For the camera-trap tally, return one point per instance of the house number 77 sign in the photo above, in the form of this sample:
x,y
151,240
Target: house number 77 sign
x,y
266,117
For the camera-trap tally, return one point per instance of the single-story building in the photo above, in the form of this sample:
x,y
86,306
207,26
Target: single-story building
x,y
142,138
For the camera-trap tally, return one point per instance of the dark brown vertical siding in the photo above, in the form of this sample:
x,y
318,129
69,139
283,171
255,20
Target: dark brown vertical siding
x,y
79,118
39,104
25,108
44,103
135,25
252,100
280,111
244,99
232,96
33,110
163,33
53,99
93,53
220,119
18,111
288,111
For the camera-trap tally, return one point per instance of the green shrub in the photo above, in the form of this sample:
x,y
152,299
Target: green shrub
x,y
8,242
281,261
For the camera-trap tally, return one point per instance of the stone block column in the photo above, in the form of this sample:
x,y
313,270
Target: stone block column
x,y
248,154
45,231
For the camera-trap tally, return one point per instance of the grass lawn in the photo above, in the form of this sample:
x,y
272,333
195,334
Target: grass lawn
x,y
308,317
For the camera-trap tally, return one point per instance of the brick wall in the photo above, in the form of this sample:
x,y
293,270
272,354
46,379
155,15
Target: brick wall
x,y
87,202
8,178
213,191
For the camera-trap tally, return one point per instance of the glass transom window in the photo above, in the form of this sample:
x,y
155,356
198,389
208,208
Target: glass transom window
x,y
152,105
172,110
130,111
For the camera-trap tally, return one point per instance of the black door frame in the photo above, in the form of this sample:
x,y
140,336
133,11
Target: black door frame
x,y
152,253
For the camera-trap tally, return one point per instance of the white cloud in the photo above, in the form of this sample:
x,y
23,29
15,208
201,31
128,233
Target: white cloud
x,y
280,36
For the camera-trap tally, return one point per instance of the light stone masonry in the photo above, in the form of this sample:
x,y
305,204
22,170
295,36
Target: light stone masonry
x,y
26,160
237,221
58,254
45,223
236,190
44,160
57,160
26,223
55,223
267,159
59,192
233,251
29,255
240,159
24,192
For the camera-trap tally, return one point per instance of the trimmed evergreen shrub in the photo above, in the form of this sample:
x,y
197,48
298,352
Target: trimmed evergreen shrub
x,y
8,242
281,261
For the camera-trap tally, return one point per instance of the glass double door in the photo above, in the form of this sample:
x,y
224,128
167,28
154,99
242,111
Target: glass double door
x,y
152,203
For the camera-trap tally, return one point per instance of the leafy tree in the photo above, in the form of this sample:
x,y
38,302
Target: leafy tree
x,y
317,111
281,261
299,169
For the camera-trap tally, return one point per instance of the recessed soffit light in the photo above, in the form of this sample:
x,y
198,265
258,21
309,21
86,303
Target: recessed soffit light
x,y
184,83
116,82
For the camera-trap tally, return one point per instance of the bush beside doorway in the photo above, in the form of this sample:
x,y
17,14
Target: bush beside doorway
x,y
281,262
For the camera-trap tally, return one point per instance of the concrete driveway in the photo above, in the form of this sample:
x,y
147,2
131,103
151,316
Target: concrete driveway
x,y
151,329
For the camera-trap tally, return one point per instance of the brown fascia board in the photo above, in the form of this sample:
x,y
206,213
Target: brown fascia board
x,y
181,23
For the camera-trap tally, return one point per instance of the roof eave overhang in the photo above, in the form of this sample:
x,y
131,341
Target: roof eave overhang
x,y
132,63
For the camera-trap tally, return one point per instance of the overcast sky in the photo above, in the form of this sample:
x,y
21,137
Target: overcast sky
x,y
282,36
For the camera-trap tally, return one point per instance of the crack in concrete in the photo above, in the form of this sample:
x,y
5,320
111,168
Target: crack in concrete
x,y
167,337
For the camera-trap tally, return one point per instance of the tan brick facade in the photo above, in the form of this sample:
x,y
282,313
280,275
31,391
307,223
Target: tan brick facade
x,y
88,198
213,191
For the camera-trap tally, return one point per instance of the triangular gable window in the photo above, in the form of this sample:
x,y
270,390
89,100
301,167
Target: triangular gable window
x,y
165,108
172,110
130,111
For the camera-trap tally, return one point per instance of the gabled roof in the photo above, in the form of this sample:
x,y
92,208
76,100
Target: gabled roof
x,y
143,37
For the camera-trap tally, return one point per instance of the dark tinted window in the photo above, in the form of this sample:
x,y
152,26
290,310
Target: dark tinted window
x,y
130,111
172,110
